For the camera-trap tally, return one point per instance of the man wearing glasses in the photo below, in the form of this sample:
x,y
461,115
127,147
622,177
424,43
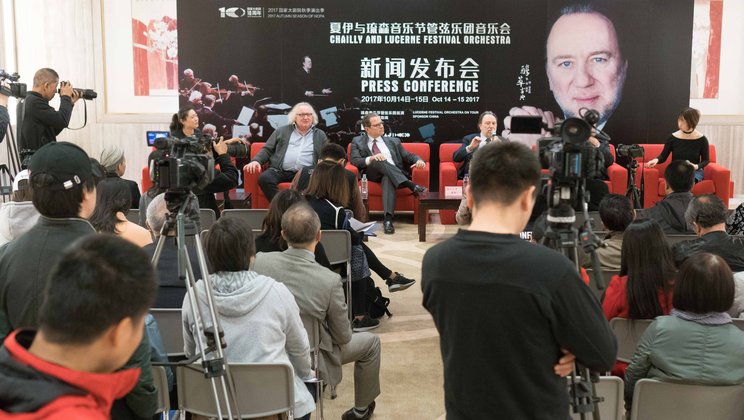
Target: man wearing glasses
x,y
289,149
385,161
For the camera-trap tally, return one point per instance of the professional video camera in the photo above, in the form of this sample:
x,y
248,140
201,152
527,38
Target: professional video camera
x,y
570,158
630,151
15,88
87,94
183,164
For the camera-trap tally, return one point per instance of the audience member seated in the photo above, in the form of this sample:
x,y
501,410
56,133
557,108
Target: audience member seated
x,y
171,289
670,212
63,181
19,215
110,216
333,152
616,212
643,290
270,239
697,343
464,216
328,196
707,216
113,160
319,294
90,324
259,316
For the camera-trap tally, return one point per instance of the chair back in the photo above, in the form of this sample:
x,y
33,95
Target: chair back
x,y
337,245
420,149
673,239
262,389
599,290
254,217
739,322
160,380
628,333
207,218
312,326
658,400
611,389
133,216
597,224
171,329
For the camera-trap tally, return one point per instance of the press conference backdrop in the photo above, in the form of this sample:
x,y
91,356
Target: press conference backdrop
x,y
428,67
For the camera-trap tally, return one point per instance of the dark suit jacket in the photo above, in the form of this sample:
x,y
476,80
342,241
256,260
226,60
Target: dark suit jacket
x,y
402,158
276,147
462,155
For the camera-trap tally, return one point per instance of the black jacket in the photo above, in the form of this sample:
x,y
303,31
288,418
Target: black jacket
x,y
171,289
25,264
728,247
41,122
4,121
670,213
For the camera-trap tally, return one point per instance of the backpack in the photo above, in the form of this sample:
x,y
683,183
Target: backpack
x,y
377,304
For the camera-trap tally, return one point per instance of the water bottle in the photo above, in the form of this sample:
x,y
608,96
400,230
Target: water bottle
x,y
365,191
465,181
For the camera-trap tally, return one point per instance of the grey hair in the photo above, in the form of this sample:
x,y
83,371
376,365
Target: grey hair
x,y
111,157
156,213
706,211
293,113
300,224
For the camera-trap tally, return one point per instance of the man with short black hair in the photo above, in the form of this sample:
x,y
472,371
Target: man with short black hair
x,y
41,122
616,212
707,216
319,294
385,161
90,322
670,212
510,314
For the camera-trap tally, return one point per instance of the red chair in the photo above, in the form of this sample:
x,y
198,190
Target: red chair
x,y
250,182
405,201
717,179
448,176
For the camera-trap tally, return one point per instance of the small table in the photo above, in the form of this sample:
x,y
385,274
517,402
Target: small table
x,y
431,201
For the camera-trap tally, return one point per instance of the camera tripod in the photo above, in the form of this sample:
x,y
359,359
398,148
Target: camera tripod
x,y
208,335
562,236
632,192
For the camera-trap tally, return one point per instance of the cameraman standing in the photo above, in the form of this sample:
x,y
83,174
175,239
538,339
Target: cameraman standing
x,y
41,122
4,117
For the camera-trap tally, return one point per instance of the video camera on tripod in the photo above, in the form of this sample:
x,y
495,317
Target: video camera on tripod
x,y
182,164
631,152
15,88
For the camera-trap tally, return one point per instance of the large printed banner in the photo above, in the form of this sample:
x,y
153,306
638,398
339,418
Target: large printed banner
x,y
428,68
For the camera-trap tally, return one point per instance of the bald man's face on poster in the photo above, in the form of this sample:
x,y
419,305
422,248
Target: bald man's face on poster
x,y
584,64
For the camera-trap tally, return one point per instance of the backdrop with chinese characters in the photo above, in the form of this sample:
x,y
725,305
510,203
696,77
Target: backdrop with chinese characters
x,y
427,67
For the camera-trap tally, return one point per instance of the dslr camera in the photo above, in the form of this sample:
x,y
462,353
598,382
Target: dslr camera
x,y
182,165
15,88
87,94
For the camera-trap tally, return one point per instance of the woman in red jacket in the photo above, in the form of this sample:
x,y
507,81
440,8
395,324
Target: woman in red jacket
x,y
643,290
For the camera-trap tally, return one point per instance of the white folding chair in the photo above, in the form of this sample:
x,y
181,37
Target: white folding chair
x,y
171,329
207,218
254,217
658,400
611,389
337,245
739,322
160,379
312,326
262,389
628,334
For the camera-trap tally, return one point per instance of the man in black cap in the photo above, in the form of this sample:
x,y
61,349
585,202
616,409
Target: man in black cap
x,y
64,184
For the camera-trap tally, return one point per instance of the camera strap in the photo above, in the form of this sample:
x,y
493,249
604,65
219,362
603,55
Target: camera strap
x,y
85,116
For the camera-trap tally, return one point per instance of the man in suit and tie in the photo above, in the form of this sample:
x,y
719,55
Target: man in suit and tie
x,y
319,294
385,161
289,149
487,124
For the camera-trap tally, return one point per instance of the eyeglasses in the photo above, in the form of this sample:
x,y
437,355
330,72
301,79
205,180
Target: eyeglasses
x,y
305,114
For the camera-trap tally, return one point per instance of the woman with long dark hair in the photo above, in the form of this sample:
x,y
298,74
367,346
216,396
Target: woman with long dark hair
x,y
270,239
185,123
328,195
643,290
113,201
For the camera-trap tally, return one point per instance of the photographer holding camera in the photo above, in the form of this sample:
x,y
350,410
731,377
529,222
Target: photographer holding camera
x,y
185,124
41,122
